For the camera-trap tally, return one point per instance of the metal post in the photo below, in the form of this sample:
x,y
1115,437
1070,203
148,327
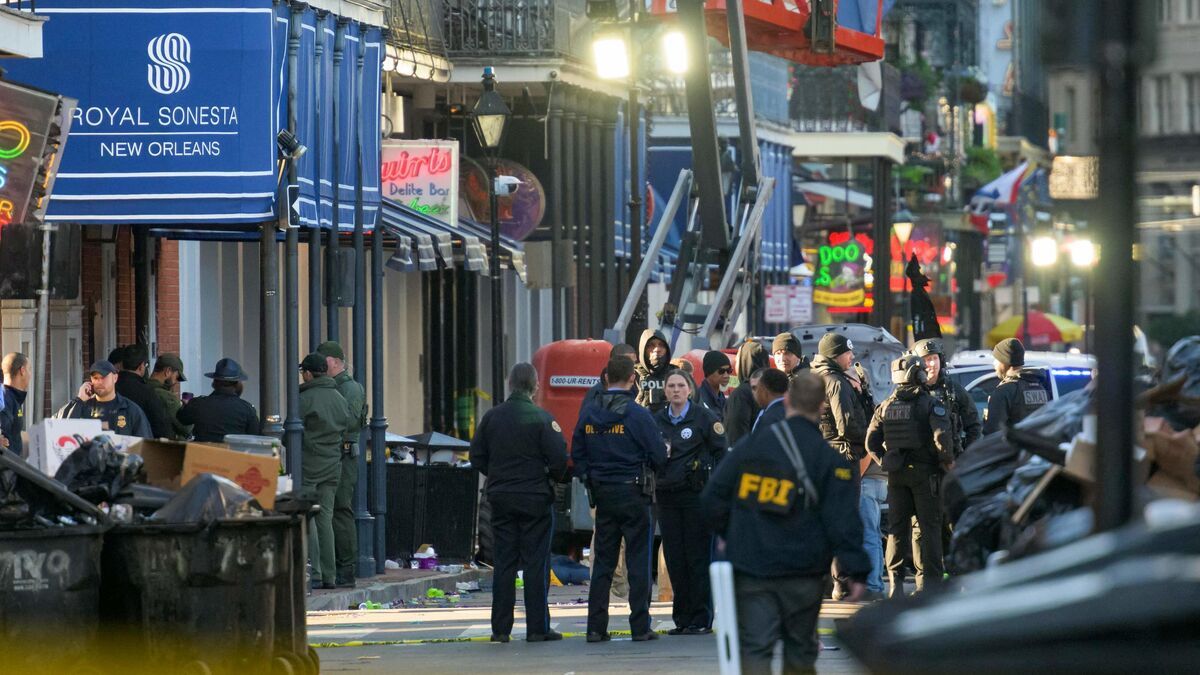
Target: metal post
x,y
331,259
378,421
558,274
364,523
496,283
636,210
293,427
570,225
884,307
314,234
596,219
581,196
633,116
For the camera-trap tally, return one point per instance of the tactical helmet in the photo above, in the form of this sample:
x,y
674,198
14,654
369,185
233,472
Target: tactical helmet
x,y
929,346
909,369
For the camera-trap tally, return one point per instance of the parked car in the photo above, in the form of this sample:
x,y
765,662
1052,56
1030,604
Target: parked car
x,y
1061,373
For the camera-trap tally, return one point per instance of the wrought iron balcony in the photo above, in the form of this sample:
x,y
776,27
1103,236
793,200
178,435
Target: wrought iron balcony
x,y
827,100
417,24
515,28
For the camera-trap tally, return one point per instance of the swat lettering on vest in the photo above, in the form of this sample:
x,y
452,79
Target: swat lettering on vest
x,y
766,492
897,411
591,430
1035,397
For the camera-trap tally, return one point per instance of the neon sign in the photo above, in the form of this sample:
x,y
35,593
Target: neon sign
x,y
22,143
25,119
842,264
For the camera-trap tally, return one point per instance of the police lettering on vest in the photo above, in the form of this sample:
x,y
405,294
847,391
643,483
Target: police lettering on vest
x,y
768,493
901,429
592,430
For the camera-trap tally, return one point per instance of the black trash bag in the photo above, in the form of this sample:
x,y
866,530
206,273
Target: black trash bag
x,y
97,471
979,473
144,499
1059,420
1178,398
207,498
1025,478
982,530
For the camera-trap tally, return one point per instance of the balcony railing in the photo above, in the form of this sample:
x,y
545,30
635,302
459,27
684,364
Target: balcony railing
x,y
535,28
827,100
418,24
20,5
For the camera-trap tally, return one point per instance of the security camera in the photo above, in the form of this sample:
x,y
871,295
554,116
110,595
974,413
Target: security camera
x,y
507,185
553,75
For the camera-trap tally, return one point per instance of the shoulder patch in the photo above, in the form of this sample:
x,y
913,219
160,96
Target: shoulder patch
x,y
939,411
718,428
554,426
841,473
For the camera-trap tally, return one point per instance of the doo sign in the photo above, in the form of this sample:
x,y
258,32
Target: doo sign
x,y
25,117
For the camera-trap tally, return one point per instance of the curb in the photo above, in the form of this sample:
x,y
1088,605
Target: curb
x,y
386,593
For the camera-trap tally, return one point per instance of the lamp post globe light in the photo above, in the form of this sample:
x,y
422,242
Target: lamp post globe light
x,y
1043,251
490,117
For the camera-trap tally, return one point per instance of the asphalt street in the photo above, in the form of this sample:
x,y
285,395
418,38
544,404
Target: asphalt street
x,y
454,639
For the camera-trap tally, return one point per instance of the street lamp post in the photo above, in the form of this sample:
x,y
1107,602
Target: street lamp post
x,y
1083,257
903,226
490,117
1043,253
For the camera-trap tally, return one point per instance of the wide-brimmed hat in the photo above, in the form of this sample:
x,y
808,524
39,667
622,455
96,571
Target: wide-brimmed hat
x,y
228,369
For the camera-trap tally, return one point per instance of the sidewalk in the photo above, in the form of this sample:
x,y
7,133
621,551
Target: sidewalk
x,y
402,584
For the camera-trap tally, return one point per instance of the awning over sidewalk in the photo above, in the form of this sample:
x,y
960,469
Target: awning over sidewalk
x,y
180,102
438,244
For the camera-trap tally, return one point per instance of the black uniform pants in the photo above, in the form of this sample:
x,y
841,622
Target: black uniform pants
x,y
622,513
687,546
522,525
913,490
773,609
841,582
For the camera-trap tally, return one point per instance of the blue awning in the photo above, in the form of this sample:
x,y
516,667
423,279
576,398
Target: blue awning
x,y
180,102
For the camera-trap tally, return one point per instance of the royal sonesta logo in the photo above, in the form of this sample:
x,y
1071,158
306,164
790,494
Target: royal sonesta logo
x,y
14,141
168,72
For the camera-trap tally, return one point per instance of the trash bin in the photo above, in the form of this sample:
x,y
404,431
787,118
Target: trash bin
x,y
49,597
435,505
203,596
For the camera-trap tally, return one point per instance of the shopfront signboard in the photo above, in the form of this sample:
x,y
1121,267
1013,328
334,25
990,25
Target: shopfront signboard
x,y
423,175
25,117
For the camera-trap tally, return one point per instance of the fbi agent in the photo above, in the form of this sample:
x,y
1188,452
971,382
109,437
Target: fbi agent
x,y
617,449
780,499
913,438
695,443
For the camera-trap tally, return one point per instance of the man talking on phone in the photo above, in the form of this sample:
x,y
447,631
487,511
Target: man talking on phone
x,y
98,399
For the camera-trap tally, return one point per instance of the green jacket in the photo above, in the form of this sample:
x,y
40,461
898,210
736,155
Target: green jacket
x,y
171,402
326,416
356,396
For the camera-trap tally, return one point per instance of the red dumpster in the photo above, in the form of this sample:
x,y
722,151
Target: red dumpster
x,y
566,370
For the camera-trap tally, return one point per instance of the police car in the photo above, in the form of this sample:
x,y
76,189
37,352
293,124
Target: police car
x,y
1061,373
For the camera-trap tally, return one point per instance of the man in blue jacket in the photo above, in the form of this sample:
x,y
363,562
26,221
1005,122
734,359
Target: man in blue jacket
x,y
781,501
616,449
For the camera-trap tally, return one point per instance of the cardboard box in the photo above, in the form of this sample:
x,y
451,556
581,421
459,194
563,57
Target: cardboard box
x,y
1081,462
171,464
51,441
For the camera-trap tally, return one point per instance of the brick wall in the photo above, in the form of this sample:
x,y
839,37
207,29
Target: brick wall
x,y
126,304
91,278
167,314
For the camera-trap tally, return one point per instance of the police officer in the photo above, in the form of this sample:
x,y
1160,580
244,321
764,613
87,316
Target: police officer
x,y
326,416
17,374
168,371
224,411
617,449
521,450
913,438
345,531
785,349
131,383
654,362
98,399
963,416
711,393
1020,391
952,395
780,501
695,443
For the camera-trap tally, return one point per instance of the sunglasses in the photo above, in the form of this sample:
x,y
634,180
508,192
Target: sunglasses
x,y
724,371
